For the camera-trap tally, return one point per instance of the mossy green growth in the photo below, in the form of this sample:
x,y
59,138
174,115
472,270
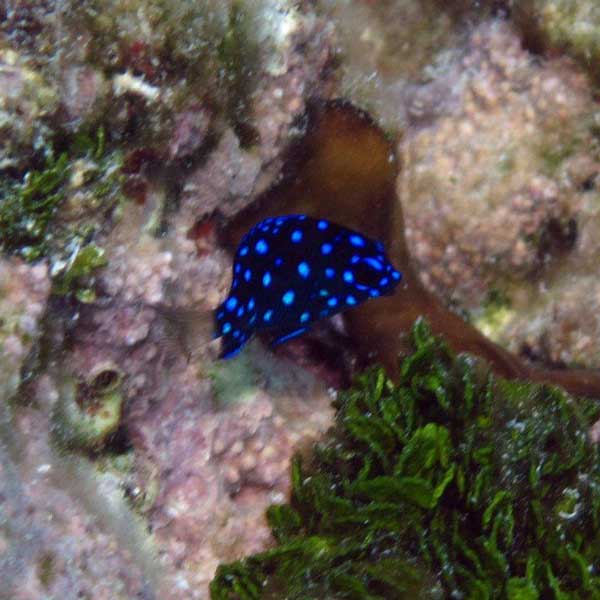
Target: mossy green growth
x,y
28,207
55,212
451,484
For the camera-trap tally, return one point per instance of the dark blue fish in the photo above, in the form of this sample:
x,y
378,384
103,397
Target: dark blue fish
x,y
291,271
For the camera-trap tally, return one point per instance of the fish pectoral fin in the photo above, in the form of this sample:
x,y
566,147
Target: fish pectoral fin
x,y
231,346
287,335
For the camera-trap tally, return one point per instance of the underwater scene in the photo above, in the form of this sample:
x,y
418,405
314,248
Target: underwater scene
x,y
300,300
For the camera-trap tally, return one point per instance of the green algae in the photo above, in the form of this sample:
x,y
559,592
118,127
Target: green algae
x,y
55,211
452,483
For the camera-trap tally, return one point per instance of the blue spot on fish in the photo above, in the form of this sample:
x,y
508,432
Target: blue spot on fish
x,y
357,240
292,278
261,247
304,270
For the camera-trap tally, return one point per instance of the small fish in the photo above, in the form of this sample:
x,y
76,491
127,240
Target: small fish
x,y
293,270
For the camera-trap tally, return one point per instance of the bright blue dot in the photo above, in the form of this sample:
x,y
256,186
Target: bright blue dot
x,y
324,293
351,300
374,293
304,317
348,276
240,311
279,221
238,268
220,314
231,303
247,274
329,272
301,217
235,284
396,275
332,301
322,225
296,236
278,262
361,287
288,297
357,240
354,259
261,247
374,263
326,248
266,279
267,316
236,333
304,269
226,328
384,281
243,250
379,246
251,304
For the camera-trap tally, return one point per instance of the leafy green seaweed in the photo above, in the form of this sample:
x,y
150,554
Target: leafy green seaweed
x,y
452,484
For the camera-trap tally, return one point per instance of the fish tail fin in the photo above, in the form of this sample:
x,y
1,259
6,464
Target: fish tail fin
x,y
187,330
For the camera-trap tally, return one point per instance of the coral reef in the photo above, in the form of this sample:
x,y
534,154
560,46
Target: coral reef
x,y
452,483
559,25
129,133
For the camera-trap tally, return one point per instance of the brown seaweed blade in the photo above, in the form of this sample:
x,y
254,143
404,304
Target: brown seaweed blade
x,y
345,169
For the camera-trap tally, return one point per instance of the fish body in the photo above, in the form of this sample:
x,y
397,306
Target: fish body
x,y
292,270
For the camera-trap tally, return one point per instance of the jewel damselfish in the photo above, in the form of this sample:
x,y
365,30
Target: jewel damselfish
x,y
292,270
